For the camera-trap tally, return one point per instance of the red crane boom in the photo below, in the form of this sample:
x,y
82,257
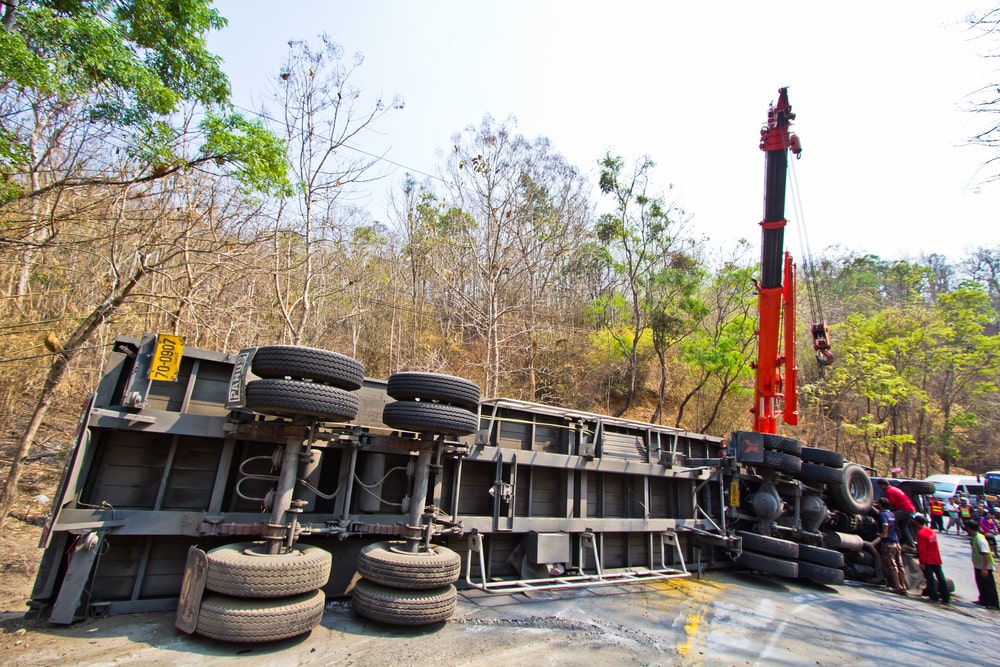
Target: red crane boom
x,y
776,393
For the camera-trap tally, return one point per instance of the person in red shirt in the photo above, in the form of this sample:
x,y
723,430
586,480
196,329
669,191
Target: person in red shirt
x,y
929,556
898,499
902,508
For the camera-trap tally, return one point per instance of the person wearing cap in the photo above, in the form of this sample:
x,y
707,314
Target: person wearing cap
x,y
965,510
929,556
888,547
982,561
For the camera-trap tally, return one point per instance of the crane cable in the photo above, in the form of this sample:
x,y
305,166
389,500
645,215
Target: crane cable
x,y
809,265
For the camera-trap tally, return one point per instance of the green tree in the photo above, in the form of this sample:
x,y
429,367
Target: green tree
x,y
642,233
964,362
97,103
717,355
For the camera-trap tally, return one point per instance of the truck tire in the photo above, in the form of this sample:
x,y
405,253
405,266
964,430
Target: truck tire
x,y
917,487
820,556
398,607
860,572
384,563
878,576
294,398
434,387
854,494
771,546
861,557
246,570
769,564
308,363
822,457
780,461
816,472
252,621
429,418
779,443
819,574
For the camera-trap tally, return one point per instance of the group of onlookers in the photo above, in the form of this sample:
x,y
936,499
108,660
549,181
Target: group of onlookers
x,y
976,518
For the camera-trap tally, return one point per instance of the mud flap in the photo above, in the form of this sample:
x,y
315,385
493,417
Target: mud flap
x,y
192,588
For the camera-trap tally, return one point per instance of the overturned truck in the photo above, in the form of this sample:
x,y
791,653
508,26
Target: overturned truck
x,y
244,489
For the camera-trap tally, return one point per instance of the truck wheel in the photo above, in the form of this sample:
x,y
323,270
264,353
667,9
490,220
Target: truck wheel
x,y
386,564
820,574
769,564
780,461
308,363
816,472
820,556
294,398
246,570
434,387
861,557
779,443
878,576
854,494
429,418
769,545
822,456
918,487
397,607
252,621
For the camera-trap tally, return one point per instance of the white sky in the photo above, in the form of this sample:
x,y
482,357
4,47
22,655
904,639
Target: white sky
x,y
877,87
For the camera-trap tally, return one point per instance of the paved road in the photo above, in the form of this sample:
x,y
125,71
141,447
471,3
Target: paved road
x,y
726,618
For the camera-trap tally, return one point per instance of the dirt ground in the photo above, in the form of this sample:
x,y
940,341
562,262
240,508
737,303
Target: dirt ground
x,y
19,552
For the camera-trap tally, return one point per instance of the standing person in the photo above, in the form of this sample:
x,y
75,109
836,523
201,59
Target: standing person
x,y
953,519
982,561
988,528
903,508
929,556
888,547
937,514
965,510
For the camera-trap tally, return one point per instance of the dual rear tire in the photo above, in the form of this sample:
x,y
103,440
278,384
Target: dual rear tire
x,y
252,596
399,587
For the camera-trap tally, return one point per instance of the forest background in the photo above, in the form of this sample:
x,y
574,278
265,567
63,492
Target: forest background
x,y
135,198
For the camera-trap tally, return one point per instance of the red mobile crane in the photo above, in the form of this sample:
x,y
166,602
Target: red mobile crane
x,y
776,297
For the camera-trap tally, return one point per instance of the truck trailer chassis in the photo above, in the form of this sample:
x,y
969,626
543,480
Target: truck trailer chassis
x,y
533,497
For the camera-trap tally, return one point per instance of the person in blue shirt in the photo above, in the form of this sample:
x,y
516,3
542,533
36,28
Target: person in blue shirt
x,y
888,547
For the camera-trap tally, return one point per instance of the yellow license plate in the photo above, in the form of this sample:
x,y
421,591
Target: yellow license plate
x,y
734,493
166,361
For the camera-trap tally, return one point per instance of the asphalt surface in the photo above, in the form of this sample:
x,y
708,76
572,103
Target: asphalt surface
x,y
725,618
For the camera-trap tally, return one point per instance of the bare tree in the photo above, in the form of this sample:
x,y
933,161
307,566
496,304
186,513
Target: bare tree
x,y
321,113
515,210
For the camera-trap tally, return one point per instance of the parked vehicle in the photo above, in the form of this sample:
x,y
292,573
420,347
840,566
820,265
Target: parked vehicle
x,y
991,485
949,486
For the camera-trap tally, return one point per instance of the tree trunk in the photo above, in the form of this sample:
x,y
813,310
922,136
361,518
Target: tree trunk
x,y
60,364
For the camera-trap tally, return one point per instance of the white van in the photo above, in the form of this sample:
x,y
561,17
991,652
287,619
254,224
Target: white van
x,y
947,486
